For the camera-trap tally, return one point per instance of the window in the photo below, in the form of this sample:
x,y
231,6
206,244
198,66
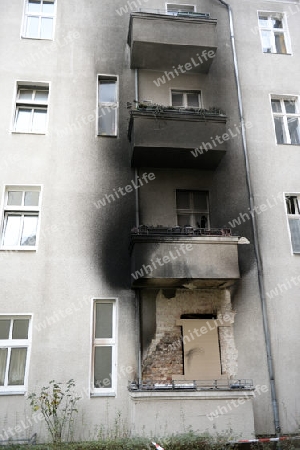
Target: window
x,y
21,216
273,32
186,99
108,106
104,347
173,9
286,119
192,208
31,109
293,213
39,19
14,352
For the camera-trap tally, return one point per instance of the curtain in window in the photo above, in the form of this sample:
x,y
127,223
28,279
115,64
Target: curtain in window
x,y
280,43
17,364
3,357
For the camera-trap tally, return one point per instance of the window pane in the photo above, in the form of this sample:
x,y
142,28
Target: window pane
x,y
41,96
263,21
201,220
4,328
280,43
32,27
107,91
46,28
48,7
294,129
200,200
266,41
3,359
276,106
104,321
29,230
290,106
31,198
103,367
12,230
184,220
15,198
279,130
107,121
177,99
23,119
295,234
25,94
193,100
17,364
183,200
34,5
20,329
39,120
277,23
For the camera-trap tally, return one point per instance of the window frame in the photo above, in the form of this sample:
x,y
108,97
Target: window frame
x,y
40,15
174,13
20,210
285,115
105,342
101,105
185,92
191,212
284,30
17,343
31,105
291,216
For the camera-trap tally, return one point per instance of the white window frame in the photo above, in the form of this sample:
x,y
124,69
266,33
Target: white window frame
x,y
185,92
102,106
32,105
40,15
190,212
21,210
109,342
17,343
285,115
290,216
269,28
180,8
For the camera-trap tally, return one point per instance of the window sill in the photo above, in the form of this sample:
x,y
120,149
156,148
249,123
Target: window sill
x,y
12,393
18,249
103,394
289,145
107,135
37,39
281,54
28,132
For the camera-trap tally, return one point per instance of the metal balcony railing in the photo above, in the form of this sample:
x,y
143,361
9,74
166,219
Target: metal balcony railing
x,y
175,231
189,14
193,385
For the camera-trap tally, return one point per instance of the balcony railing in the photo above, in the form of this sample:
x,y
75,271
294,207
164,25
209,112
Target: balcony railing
x,y
194,385
189,14
183,231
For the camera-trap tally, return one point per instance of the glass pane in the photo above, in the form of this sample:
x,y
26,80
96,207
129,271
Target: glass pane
x,y
46,28
20,329
295,234
280,43
4,328
12,230
276,105
277,23
107,91
290,106
294,129
29,230
104,321
183,200
263,21
184,220
15,198
16,372
34,5
103,367
48,7
23,119
266,41
200,200
39,120
32,27
193,100
201,220
41,96
279,130
25,94
107,121
3,359
31,198
177,99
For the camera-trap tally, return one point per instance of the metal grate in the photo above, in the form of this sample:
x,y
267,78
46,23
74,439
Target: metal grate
x,y
194,385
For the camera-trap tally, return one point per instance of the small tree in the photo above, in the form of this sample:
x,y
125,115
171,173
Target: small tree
x,y
58,405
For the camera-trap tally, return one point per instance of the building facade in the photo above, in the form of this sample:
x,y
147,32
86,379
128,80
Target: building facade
x,y
150,214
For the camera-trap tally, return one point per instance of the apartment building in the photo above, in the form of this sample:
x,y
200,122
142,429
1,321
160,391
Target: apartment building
x,y
149,214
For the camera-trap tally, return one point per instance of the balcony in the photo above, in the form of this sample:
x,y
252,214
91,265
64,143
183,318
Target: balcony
x,y
178,257
159,41
168,137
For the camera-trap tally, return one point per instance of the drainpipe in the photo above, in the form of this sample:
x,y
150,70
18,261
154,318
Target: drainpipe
x,y
137,209
255,230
